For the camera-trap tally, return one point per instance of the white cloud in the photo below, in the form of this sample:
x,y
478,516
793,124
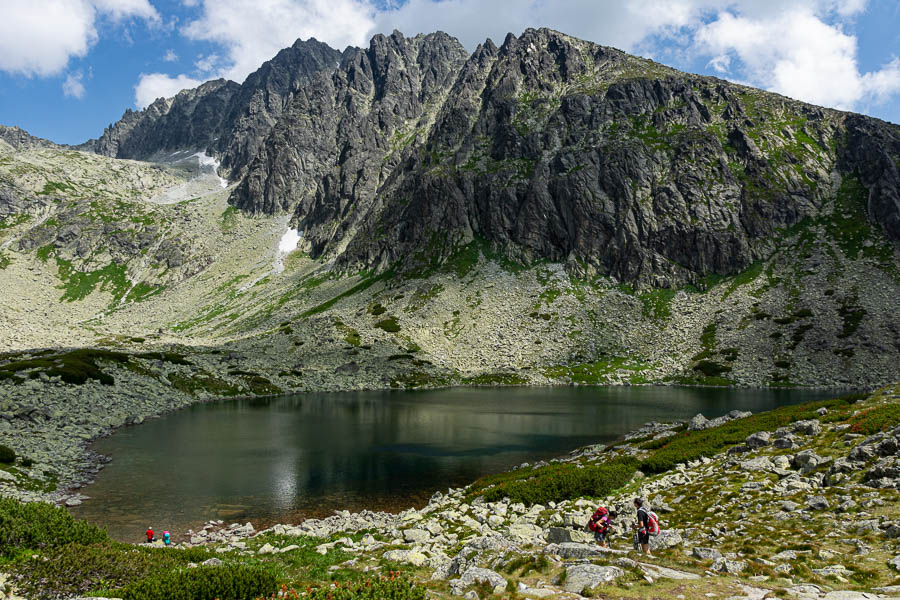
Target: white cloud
x,y
883,84
39,38
797,54
159,85
205,65
170,56
253,32
73,86
118,10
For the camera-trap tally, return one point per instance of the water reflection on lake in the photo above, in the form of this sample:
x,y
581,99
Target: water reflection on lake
x,y
282,458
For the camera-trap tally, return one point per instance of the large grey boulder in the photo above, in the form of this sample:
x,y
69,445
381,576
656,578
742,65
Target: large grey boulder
x,y
666,539
524,532
807,461
416,536
758,439
706,553
474,575
810,427
817,503
731,567
582,577
697,423
574,550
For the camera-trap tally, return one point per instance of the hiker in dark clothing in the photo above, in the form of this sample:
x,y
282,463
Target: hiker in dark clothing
x,y
643,526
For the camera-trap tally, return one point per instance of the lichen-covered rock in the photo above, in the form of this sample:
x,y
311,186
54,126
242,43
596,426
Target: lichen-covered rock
x,y
475,575
581,577
666,539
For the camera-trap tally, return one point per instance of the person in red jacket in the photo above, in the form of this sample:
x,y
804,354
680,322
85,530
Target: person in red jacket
x,y
601,524
149,535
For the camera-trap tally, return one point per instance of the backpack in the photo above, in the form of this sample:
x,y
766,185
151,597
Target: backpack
x,y
654,524
595,518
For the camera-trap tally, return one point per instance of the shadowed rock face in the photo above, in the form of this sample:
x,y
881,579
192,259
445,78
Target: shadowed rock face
x,y
547,147
230,120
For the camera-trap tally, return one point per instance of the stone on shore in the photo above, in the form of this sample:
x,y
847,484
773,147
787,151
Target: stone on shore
x,y
475,575
581,577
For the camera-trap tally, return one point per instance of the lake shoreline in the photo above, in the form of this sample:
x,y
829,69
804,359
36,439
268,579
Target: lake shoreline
x,y
252,489
58,432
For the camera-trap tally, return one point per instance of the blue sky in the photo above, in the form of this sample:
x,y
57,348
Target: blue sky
x,y
68,68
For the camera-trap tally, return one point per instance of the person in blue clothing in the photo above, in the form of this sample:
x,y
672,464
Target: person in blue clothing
x,y
166,538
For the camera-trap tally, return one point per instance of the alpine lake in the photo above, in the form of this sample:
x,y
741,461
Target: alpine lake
x,y
284,458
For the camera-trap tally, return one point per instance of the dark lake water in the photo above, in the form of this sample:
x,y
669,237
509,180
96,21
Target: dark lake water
x,y
284,458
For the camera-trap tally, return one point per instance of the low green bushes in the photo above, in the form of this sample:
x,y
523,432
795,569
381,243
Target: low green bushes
x,y
384,588
390,325
77,569
691,445
38,525
7,455
874,420
558,482
227,582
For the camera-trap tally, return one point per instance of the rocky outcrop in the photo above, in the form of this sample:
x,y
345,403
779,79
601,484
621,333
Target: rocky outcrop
x,y
554,148
192,119
546,148
344,134
20,139
262,98
221,116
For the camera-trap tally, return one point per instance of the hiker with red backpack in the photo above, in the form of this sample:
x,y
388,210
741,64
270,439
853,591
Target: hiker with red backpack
x,y
601,524
647,525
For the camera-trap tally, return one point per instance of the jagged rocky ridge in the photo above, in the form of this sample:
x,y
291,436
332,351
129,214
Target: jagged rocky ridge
x,y
547,147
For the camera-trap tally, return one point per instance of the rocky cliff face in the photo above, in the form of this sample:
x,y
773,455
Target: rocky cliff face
x,y
225,118
19,139
547,147
554,148
192,119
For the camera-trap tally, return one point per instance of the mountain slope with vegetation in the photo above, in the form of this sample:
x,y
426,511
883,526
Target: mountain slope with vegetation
x,y
548,211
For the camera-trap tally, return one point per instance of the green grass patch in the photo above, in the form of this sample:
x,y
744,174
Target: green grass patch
x,y
390,325
193,383
495,379
596,372
14,220
98,568
418,379
55,187
745,277
350,335
381,588
851,316
38,525
365,284
556,482
75,367
229,219
657,304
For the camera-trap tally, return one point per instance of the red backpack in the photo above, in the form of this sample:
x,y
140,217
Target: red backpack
x,y
593,524
654,523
